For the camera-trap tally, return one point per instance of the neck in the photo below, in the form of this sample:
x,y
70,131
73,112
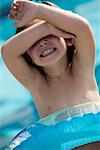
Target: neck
x,y
57,69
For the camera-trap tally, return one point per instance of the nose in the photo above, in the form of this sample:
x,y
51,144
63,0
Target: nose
x,y
43,43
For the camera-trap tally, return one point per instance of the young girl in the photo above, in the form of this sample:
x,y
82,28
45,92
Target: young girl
x,y
54,59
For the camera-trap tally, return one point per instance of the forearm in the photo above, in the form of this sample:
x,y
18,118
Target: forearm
x,y
65,20
22,41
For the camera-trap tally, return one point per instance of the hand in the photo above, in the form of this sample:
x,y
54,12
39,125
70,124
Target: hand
x,y
59,33
24,11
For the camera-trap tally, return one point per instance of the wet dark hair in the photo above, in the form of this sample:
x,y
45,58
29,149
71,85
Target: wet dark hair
x,y
70,49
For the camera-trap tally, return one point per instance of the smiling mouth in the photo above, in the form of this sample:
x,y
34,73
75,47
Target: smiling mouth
x,y
48,52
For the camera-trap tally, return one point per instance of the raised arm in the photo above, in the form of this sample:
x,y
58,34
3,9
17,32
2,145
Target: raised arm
x,y
16,46
73,23
69,22
21,42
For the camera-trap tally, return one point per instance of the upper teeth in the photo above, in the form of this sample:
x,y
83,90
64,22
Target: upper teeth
x,y
48,51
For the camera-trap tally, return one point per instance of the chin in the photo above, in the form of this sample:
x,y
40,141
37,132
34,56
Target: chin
x,y
46,63
49,61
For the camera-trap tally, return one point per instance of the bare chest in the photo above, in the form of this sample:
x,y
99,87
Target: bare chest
x,y
58,94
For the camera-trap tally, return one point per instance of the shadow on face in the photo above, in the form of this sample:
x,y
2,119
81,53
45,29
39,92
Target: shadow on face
x,y
91,146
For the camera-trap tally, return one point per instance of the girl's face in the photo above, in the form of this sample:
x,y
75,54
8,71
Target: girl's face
x,y
48,51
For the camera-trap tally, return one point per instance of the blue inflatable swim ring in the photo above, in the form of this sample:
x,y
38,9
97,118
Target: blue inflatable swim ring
x,y
63,130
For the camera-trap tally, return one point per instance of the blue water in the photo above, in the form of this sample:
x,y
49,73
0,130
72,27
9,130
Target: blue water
x,y
17,109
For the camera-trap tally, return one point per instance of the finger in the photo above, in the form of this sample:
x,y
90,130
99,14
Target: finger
x,y
12,17
67,35
21,7
14,7
20,3
16,1
19,16
15,4
13,12
63,34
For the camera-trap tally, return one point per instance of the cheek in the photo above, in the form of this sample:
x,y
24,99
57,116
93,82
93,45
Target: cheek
x,y
31,52
34,56
63,44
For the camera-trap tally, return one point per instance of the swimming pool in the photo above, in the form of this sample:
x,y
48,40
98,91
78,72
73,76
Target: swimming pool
x,y
16,99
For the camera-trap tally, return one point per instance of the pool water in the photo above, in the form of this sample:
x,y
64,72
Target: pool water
x,y
17,109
